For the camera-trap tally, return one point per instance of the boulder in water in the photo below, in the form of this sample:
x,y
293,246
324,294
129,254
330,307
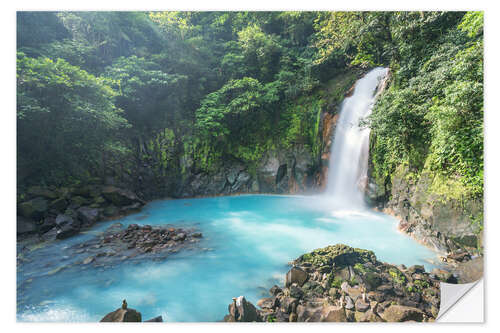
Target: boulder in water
x,y
62,220
122,316
66,226
242,311
88,215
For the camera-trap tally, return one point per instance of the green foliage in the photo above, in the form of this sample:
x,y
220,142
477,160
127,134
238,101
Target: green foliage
x,y
151,98
201,88
337,282
397,276
433,121
359,268
66,118
472,23
236,118
271,319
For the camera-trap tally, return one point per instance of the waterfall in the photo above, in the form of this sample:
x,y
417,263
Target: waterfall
x,y
348,164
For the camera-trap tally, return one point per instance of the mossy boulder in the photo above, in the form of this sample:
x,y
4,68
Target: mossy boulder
x,y
120,197
338,256
59,204
34,208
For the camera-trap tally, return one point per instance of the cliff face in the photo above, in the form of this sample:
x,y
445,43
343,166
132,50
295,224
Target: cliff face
x,y
439,222
287,167
281,170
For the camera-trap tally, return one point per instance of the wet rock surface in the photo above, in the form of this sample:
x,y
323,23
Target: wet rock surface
x,y
58,213
123,315
443,225
119,243
342,283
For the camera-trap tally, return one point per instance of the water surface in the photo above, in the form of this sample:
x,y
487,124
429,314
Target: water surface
x,y
248,241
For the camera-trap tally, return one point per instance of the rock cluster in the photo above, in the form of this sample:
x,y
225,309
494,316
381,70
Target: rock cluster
x,y
63,212
341,283
118,243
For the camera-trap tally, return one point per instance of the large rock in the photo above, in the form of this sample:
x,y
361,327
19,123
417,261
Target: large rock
x,y
296,291
361,306
370,316
120,197
267,302
122,316
399,313
34,208
62,220
88,215
66,226
308,313
242,311
241,182
339,255
25,226
47,224
333,314
59,204
295,275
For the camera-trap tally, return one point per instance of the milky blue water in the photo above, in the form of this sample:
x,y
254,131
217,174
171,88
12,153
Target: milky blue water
x,y
248,241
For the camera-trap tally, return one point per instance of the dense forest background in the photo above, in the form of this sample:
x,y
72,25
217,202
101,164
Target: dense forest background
x,y
100,94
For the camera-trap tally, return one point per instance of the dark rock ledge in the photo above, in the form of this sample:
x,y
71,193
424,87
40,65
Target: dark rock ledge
x,y
50,213
344,284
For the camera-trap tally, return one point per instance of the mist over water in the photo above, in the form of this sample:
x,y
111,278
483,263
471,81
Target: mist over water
x,y
349,155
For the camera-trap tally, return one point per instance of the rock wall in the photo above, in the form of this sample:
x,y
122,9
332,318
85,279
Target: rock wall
x,y
281,170
440,223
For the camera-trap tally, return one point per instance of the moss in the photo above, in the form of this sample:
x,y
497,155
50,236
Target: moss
x,y
336,283
397,276
446,187
271,319
337,87
360,268
338,255
420,284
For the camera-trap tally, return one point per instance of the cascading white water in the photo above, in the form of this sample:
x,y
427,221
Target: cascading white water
x,y
349,154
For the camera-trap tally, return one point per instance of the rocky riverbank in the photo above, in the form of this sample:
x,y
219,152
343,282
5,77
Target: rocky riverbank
x,y
443,224
341,283
57,213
